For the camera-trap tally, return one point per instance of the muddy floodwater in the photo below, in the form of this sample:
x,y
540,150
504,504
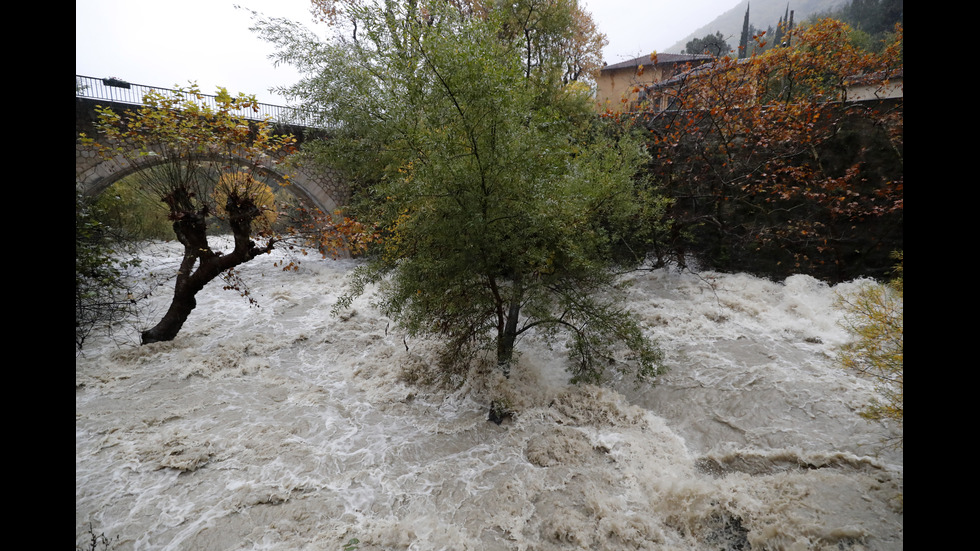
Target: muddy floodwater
x,y
283,427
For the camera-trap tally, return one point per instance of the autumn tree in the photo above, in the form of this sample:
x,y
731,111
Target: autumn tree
x,y
203,162
551,34
875,318
500,194
554,36
770,169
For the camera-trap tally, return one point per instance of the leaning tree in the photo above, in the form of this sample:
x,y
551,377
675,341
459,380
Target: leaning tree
x,y
204,163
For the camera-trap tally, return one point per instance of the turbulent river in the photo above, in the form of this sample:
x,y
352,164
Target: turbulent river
x,y
283,427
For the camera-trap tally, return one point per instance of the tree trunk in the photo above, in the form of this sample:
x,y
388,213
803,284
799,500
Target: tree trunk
x,y
507,333
183,302
191,230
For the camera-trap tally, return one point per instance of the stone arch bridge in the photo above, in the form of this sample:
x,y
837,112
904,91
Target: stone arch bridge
x,y
323,189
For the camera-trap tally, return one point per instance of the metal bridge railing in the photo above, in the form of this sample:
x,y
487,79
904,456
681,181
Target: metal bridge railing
x,y
118,91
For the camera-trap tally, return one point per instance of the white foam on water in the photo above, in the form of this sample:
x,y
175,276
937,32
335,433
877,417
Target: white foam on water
x,y
283,427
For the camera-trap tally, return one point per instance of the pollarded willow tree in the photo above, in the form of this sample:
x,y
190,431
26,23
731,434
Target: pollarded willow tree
x,y
502,197
204,163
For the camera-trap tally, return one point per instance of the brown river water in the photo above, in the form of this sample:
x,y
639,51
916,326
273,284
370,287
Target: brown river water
x,y
283,427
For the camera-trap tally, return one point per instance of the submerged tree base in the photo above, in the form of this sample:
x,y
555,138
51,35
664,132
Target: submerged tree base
x,y
499,410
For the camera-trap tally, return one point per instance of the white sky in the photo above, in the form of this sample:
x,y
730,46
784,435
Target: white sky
x,y
207,41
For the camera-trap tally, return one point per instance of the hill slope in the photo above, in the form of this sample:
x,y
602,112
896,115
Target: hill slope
x,y
762,14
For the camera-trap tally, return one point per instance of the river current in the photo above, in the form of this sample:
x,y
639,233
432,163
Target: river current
x,y
283,427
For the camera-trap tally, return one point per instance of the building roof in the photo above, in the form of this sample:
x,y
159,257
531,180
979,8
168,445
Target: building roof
x,y
662,59
875,78
693,72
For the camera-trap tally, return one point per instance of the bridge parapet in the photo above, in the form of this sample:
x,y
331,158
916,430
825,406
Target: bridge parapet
x,y
115,91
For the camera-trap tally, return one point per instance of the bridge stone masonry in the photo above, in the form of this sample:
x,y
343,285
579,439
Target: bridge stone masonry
x,y
316,187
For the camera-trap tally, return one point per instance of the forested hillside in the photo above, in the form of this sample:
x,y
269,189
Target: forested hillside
x,y
872,16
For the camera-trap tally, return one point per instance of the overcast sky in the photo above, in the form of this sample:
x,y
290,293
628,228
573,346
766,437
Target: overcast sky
x,y
207,41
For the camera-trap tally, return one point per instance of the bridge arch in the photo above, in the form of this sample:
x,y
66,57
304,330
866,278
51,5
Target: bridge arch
x,y
320,190
315,186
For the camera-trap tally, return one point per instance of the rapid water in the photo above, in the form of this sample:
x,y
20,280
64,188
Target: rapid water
x,y
281,427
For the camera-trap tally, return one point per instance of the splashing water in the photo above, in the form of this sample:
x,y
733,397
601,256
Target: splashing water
x,y
283,427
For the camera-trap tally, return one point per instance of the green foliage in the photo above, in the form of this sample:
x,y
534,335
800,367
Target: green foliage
x,y
127,206
873,21
875,318
711,44
352,544
874,17
743,41
500,195
178,146
102,294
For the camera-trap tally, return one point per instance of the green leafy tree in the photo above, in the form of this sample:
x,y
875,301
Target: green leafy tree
x,y
102,293
138,214
551,34
500,194
711,44
874,316
873,16
743,41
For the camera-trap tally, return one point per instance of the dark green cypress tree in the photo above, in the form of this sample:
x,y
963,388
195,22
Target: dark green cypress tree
x,y
783,26
789,27
743,43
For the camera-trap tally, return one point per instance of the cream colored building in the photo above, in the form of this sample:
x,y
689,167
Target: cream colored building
x,y
619,84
